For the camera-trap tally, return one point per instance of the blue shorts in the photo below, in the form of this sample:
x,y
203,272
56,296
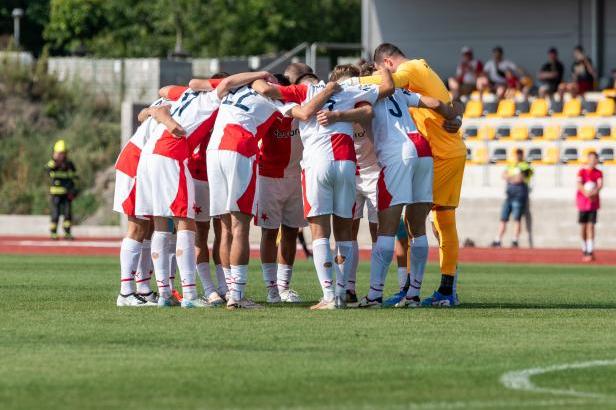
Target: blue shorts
x,y
515,207
401,233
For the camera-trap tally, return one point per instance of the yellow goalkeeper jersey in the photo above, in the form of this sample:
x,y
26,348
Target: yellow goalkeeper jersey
x,y
417,76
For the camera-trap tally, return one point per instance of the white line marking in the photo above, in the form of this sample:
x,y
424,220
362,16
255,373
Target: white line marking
x,y
520,379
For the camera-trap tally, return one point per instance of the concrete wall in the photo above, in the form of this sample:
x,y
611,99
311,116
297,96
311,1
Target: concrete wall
x,y
436,30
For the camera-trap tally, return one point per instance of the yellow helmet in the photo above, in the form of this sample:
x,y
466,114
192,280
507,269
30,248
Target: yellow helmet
x,y
60,146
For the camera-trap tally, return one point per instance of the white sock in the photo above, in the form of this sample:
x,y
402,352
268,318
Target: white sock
x,y
269,275
419,258
222,282
344,255
283,277
584,249
228,278
206,278
402,275
590,245
354,264
240,277
187,263
144,269
382,254
173,265
160,261
322,257
130,251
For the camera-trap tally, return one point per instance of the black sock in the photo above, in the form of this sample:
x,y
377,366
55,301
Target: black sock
x,y
446,287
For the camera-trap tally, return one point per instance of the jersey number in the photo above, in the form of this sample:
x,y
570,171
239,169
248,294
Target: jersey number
x,y
241,98
186,100
398,112
330,104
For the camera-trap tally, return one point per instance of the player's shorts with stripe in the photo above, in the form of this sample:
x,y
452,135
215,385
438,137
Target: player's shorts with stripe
x,y
329,188
448,175
164,187
232,179
405,182
202,200
279,202
366,183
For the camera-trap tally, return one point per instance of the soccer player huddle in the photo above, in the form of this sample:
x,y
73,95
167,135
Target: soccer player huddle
x,y
288,151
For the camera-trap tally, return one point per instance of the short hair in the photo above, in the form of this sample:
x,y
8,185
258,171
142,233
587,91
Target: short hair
x,y
553,50
519,151
498,49
386,50
593,154
220,74
366,69
295,70
343,71
282,79
579,48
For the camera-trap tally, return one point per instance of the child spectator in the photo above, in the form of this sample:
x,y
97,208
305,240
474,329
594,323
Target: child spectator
x,y
589,184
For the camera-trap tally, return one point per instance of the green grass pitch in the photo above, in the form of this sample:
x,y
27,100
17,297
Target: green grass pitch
x,y
64,344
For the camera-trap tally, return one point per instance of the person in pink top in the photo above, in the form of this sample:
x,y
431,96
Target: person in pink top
x,y
589,184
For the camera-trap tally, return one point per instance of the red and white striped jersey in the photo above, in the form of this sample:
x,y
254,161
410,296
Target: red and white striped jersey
x,y
334,141
395,133
281,147
196,112
243,119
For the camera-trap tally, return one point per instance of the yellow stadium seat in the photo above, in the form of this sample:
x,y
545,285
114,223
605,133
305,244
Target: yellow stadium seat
x,y
605,108
572,108
538,108
473,109
486,133
506,109
587,133
519,133
584,156
480,155
550,156
551,133
609,92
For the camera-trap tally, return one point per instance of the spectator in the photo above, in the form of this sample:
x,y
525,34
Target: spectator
x,y
496,73
582,74
551,74
589,184
518,176
468,71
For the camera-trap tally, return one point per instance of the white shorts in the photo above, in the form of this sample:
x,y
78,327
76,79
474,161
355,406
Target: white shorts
x,y
232,179
124,194
405,182
164,187
329,188
366,183
202,200
279,202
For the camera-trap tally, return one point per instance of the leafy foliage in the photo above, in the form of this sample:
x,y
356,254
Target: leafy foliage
x,y
36,110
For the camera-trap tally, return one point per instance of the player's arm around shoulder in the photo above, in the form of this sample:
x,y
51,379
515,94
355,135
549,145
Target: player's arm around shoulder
x,y
361,114
238,80
445,109
306,111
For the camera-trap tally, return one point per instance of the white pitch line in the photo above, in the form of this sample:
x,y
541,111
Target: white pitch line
x,y
520,379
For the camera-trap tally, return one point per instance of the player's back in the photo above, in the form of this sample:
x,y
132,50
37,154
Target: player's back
x,y
333,141
393,127
281,148
243,119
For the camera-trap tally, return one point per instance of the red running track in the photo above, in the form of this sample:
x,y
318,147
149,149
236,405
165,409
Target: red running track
x,y
111,246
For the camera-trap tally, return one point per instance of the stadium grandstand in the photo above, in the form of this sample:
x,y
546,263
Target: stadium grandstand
x,y
556,120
